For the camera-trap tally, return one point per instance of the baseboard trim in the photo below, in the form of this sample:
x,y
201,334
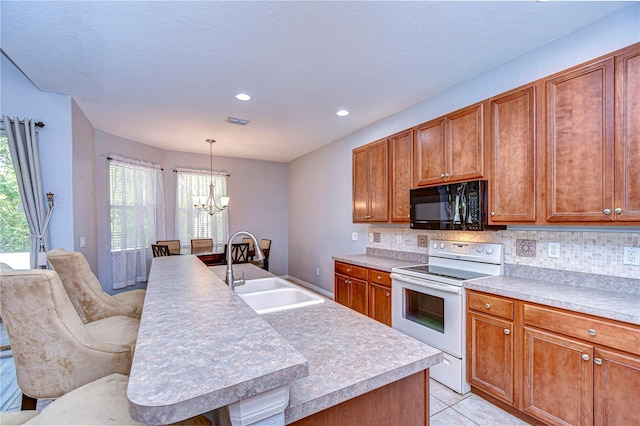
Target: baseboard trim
x,y
310,286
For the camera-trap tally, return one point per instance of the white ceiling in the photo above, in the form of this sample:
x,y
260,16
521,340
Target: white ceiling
x,y
165,73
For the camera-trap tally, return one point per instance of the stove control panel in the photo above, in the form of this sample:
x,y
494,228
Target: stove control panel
x,y
467,250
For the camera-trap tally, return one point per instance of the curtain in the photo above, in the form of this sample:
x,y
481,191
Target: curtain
x,y
193,187
137,218
23,145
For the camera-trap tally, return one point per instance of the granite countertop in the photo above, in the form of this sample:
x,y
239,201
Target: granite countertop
x,y
200,346
349,354
603,303
374,262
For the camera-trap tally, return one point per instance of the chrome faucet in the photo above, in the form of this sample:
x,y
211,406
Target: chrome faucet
x,y
258,254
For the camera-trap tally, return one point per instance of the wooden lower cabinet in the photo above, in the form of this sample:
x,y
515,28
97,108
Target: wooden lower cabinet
x,y
364,290
404,402
551,365
616,383
491,370
558,379
351,287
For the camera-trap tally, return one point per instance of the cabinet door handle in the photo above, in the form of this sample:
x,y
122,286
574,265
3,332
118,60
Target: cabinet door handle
x,y
592,332
507,331
493,214
348,270
388,294
607,211
447,175
379,277
618,210
487,305
367,217
585,357
441,174
597,361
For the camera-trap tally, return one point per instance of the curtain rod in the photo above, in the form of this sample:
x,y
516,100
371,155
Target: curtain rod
x,y
111,158
39,124
219,174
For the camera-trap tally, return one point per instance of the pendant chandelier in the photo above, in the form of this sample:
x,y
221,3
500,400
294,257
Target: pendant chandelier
x,y
211,206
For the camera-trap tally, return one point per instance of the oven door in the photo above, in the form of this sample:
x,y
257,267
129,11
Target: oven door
x,y
429,311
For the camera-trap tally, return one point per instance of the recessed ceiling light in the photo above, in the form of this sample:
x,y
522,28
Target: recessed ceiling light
x,y
342,113
243,97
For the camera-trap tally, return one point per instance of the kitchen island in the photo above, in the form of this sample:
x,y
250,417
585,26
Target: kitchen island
x,y
200,347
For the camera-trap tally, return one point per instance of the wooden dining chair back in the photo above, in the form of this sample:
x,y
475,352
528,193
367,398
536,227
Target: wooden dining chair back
x,y
239,253
265,246
251,248
201,245
160,250
174,245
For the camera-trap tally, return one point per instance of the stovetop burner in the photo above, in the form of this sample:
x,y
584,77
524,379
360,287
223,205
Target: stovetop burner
x,y
441,271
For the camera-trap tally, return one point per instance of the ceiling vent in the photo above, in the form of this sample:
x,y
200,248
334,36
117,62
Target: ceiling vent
x,y
238,121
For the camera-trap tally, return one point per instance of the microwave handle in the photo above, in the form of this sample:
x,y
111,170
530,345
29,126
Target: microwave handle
x,y
427,284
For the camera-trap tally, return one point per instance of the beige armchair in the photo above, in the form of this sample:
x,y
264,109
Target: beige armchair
x,y
102,402
88,298
54,351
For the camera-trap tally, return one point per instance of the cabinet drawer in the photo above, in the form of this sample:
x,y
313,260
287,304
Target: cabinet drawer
x,y
492,305
593,330
379,277
351,270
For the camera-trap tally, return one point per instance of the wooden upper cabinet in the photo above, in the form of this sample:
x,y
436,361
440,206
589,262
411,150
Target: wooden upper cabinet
x,y
465,144
627,136
579,150
429,153
512,175
370,182
401,152
450,149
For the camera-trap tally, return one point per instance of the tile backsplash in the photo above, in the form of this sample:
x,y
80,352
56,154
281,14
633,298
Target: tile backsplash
x,y
594,252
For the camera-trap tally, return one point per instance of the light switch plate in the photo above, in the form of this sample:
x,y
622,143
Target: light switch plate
x,y
354,236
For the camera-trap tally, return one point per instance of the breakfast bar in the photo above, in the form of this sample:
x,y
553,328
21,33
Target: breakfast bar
x,y
201,347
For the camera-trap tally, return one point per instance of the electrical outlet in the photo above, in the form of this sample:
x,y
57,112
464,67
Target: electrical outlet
x,y
318,271
423,241
554,250
370,237
354,236
631,256
399,239
83,242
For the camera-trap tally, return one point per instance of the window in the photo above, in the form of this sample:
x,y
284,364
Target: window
x,y
136,209
193,187
15,243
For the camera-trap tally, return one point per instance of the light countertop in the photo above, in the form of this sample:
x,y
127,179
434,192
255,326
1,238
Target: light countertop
x,y
349,354
374,262
603,303
200,347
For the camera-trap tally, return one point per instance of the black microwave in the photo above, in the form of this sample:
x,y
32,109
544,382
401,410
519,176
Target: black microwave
x,y
456,206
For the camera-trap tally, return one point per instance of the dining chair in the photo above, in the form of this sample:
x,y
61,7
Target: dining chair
x,y
54,351
251,248
174,245
265,246
160,250
201,245
239,253
85,291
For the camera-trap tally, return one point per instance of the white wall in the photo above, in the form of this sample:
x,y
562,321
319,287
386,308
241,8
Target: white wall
x,y
20,98
84,195
320,182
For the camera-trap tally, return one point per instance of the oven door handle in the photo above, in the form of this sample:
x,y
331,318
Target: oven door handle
x,y
425,283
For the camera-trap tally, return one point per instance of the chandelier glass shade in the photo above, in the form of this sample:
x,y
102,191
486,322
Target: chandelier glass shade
x,y
211,207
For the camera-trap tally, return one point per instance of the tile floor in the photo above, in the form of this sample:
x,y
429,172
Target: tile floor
x,y
449,408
